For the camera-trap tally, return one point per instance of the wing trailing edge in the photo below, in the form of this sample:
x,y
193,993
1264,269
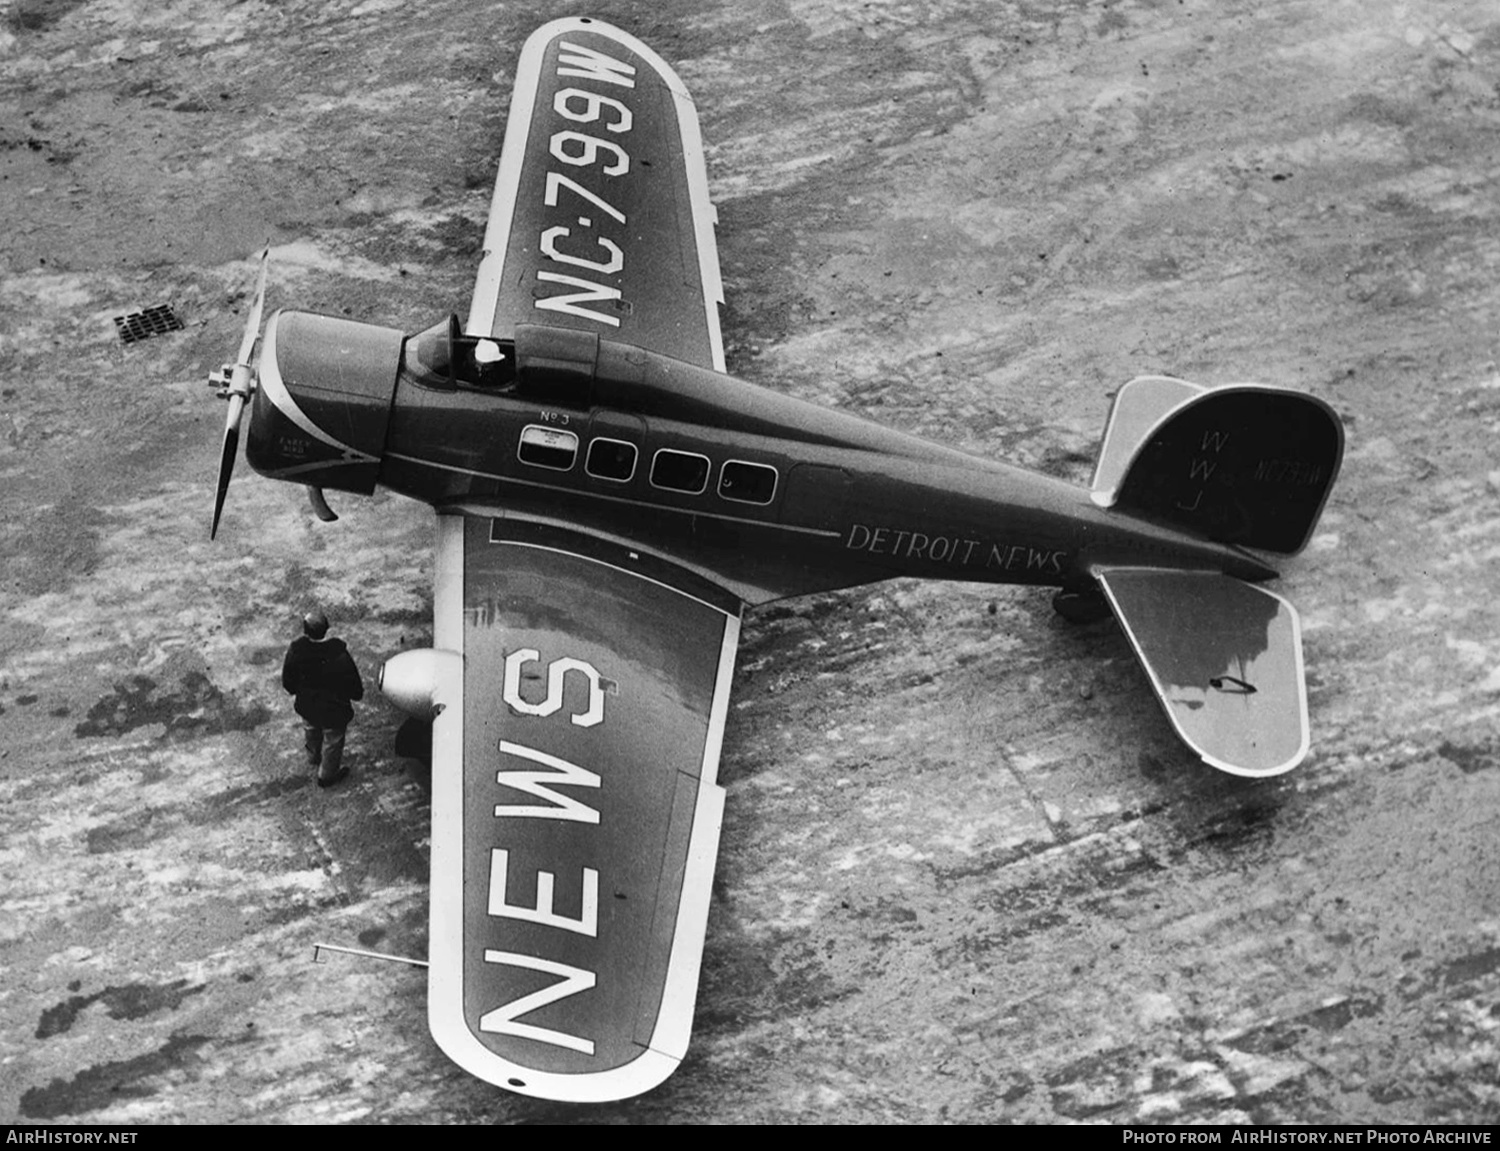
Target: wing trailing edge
x,y
1225,660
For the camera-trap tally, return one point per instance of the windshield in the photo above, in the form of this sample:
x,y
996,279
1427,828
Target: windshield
x,y
443,357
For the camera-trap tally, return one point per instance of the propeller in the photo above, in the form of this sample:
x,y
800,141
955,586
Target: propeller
x,y
236,383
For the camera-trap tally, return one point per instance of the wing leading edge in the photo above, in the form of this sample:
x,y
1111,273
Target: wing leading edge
x,y
601,219
576,810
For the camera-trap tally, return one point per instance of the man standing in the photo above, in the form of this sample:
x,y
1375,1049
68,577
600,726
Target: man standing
x,y
319,671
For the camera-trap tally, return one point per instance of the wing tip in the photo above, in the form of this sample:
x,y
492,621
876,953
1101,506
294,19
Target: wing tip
x,y
650,1069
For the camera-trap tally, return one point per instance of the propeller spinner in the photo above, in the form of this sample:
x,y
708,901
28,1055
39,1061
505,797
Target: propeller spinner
x,y
237,382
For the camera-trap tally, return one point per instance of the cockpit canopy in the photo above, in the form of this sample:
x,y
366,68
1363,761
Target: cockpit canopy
x,y
443,357
556,366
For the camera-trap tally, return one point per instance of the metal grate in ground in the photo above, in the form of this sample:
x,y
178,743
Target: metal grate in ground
x,y
157,321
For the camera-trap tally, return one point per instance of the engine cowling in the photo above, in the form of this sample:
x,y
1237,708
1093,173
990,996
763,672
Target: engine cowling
x,y
323,405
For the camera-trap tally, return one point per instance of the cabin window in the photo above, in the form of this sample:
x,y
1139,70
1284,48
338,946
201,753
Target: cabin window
x,y
611,460
747,483
679,471
548,448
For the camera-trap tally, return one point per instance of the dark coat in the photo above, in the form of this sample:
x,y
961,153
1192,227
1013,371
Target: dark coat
x,y
322,675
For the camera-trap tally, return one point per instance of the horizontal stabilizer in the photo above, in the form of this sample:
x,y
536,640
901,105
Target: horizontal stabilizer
x,y
1225,659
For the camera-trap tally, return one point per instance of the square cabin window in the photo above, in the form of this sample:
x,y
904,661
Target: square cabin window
x,y
747,483
548,448
679,471
610,460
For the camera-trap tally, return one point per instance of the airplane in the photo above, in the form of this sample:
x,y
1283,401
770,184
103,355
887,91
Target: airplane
x,y
609,501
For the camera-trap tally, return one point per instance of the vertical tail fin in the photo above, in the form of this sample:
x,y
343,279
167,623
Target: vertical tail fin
x,y
1244,464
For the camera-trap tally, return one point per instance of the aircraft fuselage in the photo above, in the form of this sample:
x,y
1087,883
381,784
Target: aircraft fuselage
x,y
763,493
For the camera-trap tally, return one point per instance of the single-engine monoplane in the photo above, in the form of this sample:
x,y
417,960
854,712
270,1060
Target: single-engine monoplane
x,y
609,501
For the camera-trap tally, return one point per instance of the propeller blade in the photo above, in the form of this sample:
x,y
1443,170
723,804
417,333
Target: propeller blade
x,y
226,458
238,380
257,305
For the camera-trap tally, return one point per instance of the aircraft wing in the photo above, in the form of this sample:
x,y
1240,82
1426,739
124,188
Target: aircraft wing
x,y
601,219
575,806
